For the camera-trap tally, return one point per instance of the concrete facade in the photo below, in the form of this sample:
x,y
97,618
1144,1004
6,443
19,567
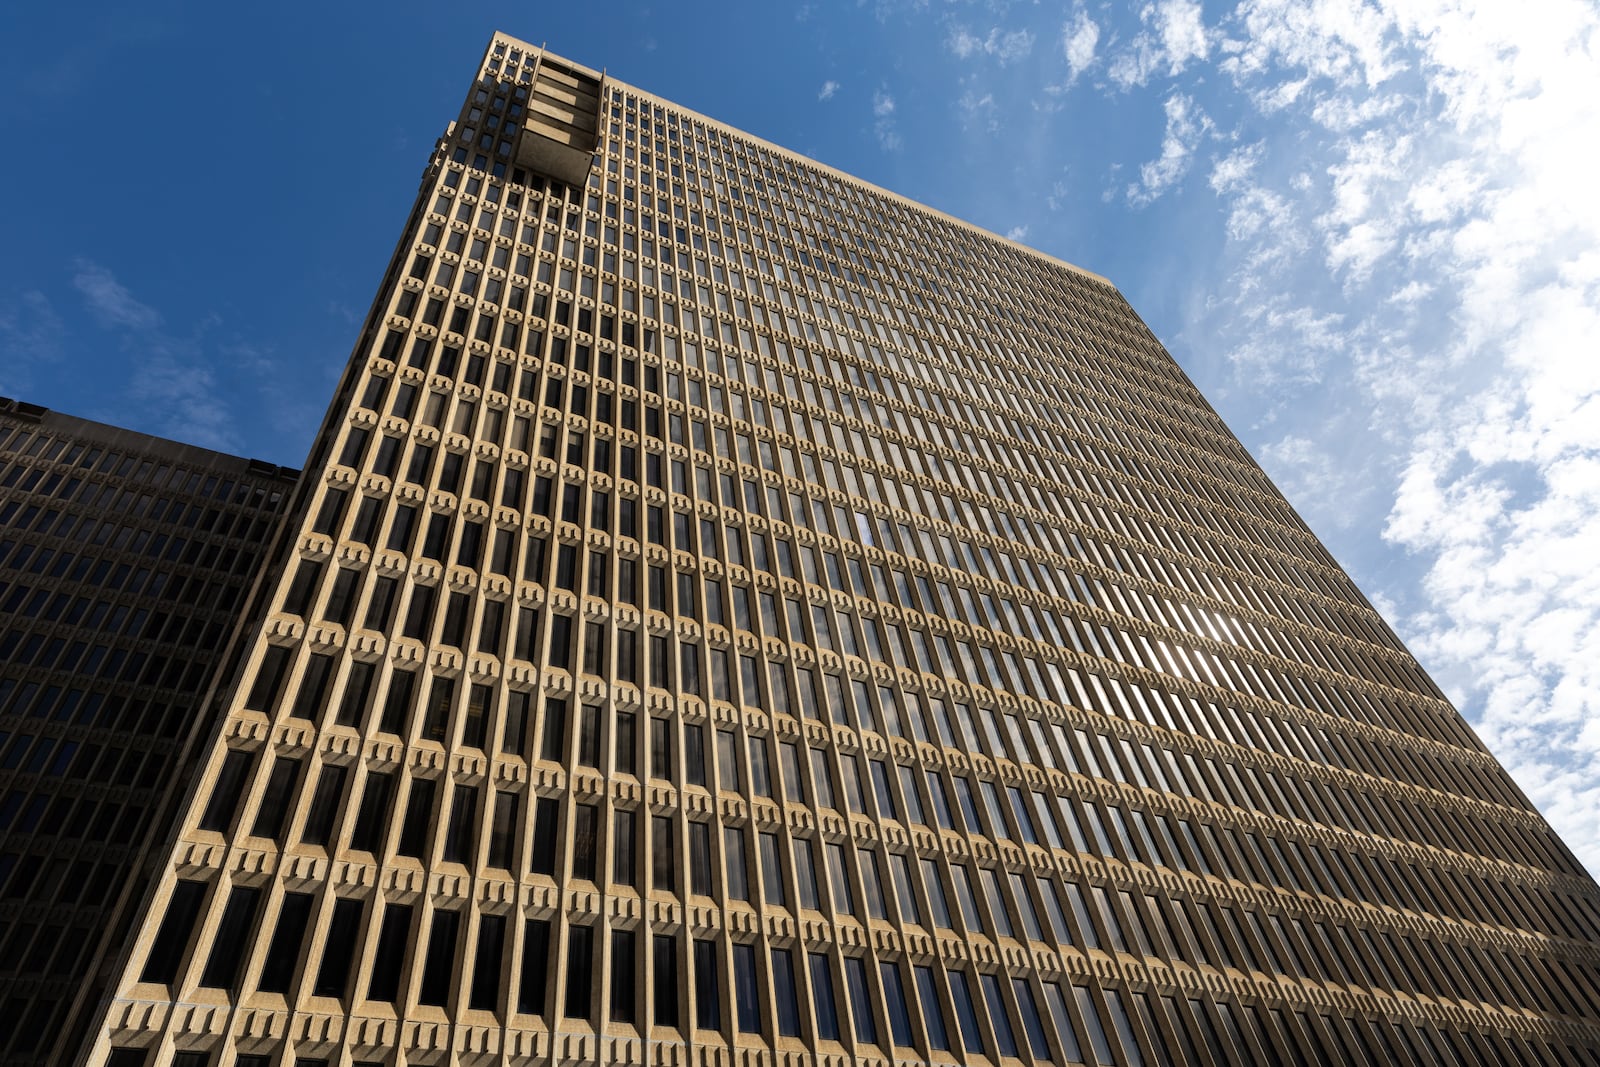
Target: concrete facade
x,y
733,614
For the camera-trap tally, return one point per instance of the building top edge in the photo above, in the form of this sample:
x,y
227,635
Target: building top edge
x,y
833,172
23,413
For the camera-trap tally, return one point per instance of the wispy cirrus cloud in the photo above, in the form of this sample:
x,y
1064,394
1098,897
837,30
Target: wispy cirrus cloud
x,y
1417,224
1079,39
1005,46
109,301
1185,125
174,377
883,122
1174,35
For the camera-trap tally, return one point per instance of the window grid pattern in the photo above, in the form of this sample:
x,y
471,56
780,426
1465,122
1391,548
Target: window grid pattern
x,y
124,562
742,609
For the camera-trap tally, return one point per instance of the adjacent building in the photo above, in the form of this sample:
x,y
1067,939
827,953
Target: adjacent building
x,y
733,614
126,563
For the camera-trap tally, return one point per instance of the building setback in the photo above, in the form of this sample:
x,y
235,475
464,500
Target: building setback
x,y
732,613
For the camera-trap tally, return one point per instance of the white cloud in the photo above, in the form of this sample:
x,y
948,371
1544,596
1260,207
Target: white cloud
x,y
1057,198
1394,296
1017,233
883,124
174,378
1007,46
1186,123
192,407
1233,170
1348,45
979,112
1079,38
109,300
1415,242
1183,35
1134,65
829,87
1174,36
1318,483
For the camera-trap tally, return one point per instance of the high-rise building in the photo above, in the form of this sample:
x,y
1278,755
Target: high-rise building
x,y
125,563
733,614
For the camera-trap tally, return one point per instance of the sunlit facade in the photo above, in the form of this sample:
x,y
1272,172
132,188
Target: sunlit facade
x,y
733,614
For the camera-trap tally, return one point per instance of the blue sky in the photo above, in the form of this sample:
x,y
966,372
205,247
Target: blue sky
x,y
1366,230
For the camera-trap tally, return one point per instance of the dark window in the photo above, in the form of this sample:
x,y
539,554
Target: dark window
x,y
460,842
397,705
1032,1025
172,936
623,966
486,964
733,855
1097,1033
503,830
373,818
589,735
772,871
855,973
275,800
894,996
932,1013
233,934
339,950
436,719
283,954
626,744
745,994
554,744
624,832
1069,1036
224,802
340,598
664,967
700,858
966,1012
661,748
997,1014
419,615
391,954
580,959
514,740
438,967
822,994
419,818
560,642
694,753
663,853
707,990
546,820
324,806
357,693
480,708
269,680
585,825
535,967
783,992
